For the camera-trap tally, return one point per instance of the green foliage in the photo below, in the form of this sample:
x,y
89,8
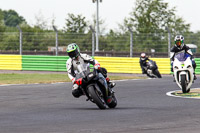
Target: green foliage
x,y
153,16
149,20
75,24
9,41
12,19
2,26
115,42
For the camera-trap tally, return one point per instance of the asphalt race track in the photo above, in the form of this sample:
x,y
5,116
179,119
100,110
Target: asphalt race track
x,y
143,107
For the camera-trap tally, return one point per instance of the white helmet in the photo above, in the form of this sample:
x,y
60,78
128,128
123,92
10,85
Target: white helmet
x,y
179,41
143,56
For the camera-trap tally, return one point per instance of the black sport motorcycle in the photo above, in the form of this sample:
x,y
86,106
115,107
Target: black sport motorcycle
x,y
94,86
152,70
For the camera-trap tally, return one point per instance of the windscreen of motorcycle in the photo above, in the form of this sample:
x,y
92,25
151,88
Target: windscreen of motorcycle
x,y
182,56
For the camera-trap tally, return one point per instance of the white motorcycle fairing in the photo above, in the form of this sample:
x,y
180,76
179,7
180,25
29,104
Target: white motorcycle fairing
x,y
183,70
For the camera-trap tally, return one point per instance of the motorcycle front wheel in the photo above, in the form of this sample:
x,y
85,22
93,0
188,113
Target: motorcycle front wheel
x,y
183,83
97,96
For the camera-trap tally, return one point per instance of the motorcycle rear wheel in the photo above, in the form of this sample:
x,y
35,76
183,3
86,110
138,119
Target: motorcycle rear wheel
x,y
97,97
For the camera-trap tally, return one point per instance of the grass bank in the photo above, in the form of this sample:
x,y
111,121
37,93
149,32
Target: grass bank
x,y
16,78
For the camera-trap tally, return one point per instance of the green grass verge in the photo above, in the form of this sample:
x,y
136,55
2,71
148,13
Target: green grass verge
x,y
15,78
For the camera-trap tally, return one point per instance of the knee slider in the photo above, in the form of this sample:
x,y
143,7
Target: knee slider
x,y
76,93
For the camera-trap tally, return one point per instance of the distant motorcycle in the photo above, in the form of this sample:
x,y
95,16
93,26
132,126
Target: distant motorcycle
x,y
94,86
152,70
183,71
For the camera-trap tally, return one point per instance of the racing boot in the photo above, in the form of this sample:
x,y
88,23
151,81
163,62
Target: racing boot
x,y
77,93
112,84
195,77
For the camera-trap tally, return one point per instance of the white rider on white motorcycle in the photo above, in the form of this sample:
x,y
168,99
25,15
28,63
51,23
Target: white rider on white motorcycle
x,y
71,65
178,48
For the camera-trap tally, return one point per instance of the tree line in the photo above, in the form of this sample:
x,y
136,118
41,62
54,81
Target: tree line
x,y
148,21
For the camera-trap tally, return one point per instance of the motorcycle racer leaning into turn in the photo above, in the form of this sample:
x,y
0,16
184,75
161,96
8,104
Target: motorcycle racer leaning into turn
x,y
143,62
71,65
180,47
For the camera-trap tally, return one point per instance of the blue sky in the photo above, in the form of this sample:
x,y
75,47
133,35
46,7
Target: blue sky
x,y
112,11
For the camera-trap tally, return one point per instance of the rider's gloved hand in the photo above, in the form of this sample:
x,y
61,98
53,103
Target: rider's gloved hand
x,y
97,66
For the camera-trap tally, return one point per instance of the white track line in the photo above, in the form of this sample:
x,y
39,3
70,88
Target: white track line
x,y
60,82
30,84
10,84
131,79
125,80
170,94
63,82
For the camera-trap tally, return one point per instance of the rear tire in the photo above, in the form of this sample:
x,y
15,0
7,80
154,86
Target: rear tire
x,y
97,97
183,83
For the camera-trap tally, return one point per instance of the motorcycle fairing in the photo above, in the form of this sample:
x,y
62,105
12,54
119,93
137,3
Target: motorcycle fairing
x,y
183,66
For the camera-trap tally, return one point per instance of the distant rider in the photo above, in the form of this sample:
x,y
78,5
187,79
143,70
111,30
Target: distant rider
x,y
181,47
71,64
143,63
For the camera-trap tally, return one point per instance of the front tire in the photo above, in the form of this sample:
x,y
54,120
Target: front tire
x,y
188,90
183,83
97,97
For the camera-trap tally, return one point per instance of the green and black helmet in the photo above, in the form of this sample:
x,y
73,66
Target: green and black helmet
x,y
179,41
73,50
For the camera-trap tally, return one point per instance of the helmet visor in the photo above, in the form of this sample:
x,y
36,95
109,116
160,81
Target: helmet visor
x,y
178,42
73,54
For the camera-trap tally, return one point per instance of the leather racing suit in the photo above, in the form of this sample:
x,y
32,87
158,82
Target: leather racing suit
x,y
175,50
72,69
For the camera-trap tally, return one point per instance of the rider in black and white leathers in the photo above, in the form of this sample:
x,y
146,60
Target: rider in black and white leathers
x,y
85,60
175,50
179,48
143,62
